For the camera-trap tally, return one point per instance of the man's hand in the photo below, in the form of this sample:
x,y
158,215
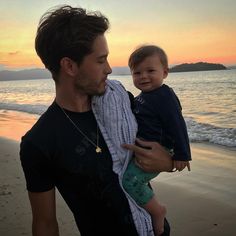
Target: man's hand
x,y
150,156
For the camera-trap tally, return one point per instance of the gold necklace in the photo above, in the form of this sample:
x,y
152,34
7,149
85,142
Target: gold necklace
x,y
97,148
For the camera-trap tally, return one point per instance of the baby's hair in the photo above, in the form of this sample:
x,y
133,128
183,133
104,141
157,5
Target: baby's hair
x,y
145,51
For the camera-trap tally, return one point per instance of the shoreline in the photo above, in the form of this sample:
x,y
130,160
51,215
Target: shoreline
x,y
14,124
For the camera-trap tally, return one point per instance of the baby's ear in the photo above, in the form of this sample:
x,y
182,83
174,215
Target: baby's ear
x,y
166,72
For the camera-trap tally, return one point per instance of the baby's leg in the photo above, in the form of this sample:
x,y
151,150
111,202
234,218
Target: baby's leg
x,y
135,183
158,213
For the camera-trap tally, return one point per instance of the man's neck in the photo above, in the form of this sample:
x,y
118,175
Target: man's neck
x,y
73,101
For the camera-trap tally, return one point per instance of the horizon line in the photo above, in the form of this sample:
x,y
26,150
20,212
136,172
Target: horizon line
x,y
123,66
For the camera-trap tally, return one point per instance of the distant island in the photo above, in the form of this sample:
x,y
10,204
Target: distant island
x,y
199,66
37,73
24,74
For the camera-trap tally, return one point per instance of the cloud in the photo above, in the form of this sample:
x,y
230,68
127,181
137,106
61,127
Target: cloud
x,y
13,53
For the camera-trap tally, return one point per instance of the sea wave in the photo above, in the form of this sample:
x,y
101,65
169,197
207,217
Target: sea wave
x,y
27,108
202,132
198,132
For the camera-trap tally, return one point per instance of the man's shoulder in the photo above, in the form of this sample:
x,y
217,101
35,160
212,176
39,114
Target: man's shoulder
x,y
116,86
43,127
115,94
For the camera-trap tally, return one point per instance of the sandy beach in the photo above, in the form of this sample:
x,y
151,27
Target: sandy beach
x,y
200,203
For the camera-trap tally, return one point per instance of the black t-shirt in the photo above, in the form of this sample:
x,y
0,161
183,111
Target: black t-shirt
x,y
160,119
55,154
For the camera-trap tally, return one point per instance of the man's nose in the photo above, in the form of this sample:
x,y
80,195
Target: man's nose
x,y
108,69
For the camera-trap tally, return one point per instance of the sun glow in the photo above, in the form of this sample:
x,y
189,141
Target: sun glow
x,y
206,33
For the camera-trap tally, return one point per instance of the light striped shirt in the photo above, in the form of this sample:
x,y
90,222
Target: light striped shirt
x,y
118,126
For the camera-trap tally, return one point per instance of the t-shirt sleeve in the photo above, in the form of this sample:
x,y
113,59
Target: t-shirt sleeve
x,y
169,110
37,167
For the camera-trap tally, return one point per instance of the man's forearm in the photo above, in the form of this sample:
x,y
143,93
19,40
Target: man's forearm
x,y
45,228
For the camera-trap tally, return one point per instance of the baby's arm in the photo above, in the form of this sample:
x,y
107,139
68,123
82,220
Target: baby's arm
x,y
171,115
180,165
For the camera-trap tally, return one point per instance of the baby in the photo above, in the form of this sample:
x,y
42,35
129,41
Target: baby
x,y
158,113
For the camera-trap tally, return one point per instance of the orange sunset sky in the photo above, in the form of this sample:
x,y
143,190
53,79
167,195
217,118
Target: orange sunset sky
x,y
188,30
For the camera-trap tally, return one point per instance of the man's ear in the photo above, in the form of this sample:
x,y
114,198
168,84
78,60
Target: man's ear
x,y
68,66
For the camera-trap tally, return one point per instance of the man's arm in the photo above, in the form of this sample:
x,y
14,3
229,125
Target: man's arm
x,y
43,206
152,157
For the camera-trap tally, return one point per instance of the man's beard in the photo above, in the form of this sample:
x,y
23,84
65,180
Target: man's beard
x,y
89,92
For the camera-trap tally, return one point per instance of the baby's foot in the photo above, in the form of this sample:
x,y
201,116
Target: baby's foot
x,y
158,222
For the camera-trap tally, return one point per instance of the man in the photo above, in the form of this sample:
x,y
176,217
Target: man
x,y
65,148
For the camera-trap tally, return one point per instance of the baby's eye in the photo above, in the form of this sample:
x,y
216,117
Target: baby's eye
x,y
151,70
136,73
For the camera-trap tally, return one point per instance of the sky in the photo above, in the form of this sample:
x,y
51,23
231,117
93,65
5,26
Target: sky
x,y
188,30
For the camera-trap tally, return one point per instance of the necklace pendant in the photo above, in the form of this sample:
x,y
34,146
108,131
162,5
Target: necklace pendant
x,y
98,150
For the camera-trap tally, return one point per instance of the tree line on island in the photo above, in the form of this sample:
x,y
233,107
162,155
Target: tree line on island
x,y
199,66
45,74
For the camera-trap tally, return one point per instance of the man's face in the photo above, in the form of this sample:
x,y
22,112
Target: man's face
x,y
93,71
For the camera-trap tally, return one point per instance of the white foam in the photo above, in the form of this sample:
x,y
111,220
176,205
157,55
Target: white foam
x,y
32,109
200,132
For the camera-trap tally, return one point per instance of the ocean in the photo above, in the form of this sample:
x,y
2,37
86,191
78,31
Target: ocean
x,y
208,100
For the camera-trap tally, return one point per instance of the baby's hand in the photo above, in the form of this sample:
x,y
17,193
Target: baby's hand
x,y
180,165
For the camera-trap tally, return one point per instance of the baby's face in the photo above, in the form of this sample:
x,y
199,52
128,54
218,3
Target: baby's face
x,y
149,74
